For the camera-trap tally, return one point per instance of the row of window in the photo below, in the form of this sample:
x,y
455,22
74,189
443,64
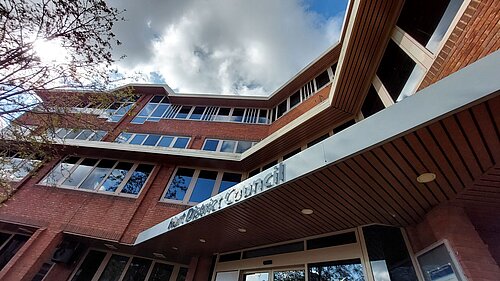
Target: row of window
x,y
79,134
99,265
191,186
231,146
303,93
153,140
160,107
100,175
112,111
10,243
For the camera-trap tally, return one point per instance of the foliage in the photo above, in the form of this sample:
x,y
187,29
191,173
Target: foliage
x,y
83,31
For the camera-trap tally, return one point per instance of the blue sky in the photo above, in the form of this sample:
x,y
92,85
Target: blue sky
x,y
224,46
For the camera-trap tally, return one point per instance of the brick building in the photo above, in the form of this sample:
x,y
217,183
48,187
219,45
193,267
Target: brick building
x,y
378,161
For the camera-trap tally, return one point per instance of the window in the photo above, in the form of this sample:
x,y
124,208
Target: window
x,y
183,113
99,175
117,266
15,168
372,103
190,186
427,21
79,134
282,108
322,80
237,114
10,244
153,111
223,114
197,113
336,270
230,146
153,140
295,99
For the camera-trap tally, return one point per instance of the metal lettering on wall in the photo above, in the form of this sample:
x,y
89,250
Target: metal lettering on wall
x,y
230,196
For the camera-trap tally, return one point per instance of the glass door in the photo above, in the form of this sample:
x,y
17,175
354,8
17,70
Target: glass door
x,y
341,270
276,275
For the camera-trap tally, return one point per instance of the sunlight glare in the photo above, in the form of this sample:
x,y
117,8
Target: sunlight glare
x,y
51,51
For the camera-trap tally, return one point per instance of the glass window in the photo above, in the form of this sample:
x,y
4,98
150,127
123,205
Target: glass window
x,y
85,134
181,142
62,133
228,146
98,174
263,116
395,69
72,135
372,103
210,145
114,268
243,146
437,264
161,272
229,180
204,186
237,115
138,139
287,275
197,113
160,110
223,114
116,177
60,171
322,80
138,120
257,276
137,179
151,140
281,109
346,270
10,249
183,113
295,99
123,138
137,269
388,254
98,135
181,276
80,172
165,141
89,266
165,100
179,185
156,99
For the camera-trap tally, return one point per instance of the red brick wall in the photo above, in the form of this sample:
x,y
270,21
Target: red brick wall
x,y
475,36
452,223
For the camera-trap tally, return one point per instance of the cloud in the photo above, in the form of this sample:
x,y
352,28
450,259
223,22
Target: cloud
x,y
222,46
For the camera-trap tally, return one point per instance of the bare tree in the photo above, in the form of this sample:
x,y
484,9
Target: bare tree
x,y
83,30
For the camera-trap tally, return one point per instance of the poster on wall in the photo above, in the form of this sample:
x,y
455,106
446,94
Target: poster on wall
x,y
437,263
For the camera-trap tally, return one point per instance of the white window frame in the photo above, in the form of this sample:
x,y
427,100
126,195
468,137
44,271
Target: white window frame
x,y
175,138
76,137
219,145
194,179
107,257
118,190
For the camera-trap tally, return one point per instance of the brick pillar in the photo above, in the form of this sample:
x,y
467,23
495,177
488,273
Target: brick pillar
x,y
199,269
28,260
453,224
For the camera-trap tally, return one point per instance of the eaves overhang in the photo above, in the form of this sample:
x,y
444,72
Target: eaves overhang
x,y
343,169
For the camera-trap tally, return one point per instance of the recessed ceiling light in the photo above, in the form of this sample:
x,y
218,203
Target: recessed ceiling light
x,y
426,177
158,255
242,230
307,211
175,248
202,240
109,246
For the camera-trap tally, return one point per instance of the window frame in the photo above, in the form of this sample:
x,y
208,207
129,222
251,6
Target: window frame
x,y
192,183
132,135
94,132
117,192
221,141
109,253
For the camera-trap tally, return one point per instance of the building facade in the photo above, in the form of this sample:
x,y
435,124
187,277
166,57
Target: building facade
x,y
378,161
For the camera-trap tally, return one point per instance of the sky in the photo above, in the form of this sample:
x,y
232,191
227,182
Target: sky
x,y
242,47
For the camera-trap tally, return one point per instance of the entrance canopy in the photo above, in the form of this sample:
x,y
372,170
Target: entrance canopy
x,y
364,174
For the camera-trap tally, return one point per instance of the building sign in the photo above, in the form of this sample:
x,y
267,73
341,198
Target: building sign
x,y
231,196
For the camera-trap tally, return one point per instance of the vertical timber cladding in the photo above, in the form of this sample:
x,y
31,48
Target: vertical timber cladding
x,y
233,195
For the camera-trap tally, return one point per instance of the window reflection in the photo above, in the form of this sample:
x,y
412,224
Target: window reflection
x,y
80,172
344,270
137,180
114,268
161,272
98,174
179,185
116,177
137,270
289,275
229,180
60,171
204,186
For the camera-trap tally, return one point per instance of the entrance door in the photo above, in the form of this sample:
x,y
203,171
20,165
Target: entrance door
x,y
276,275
